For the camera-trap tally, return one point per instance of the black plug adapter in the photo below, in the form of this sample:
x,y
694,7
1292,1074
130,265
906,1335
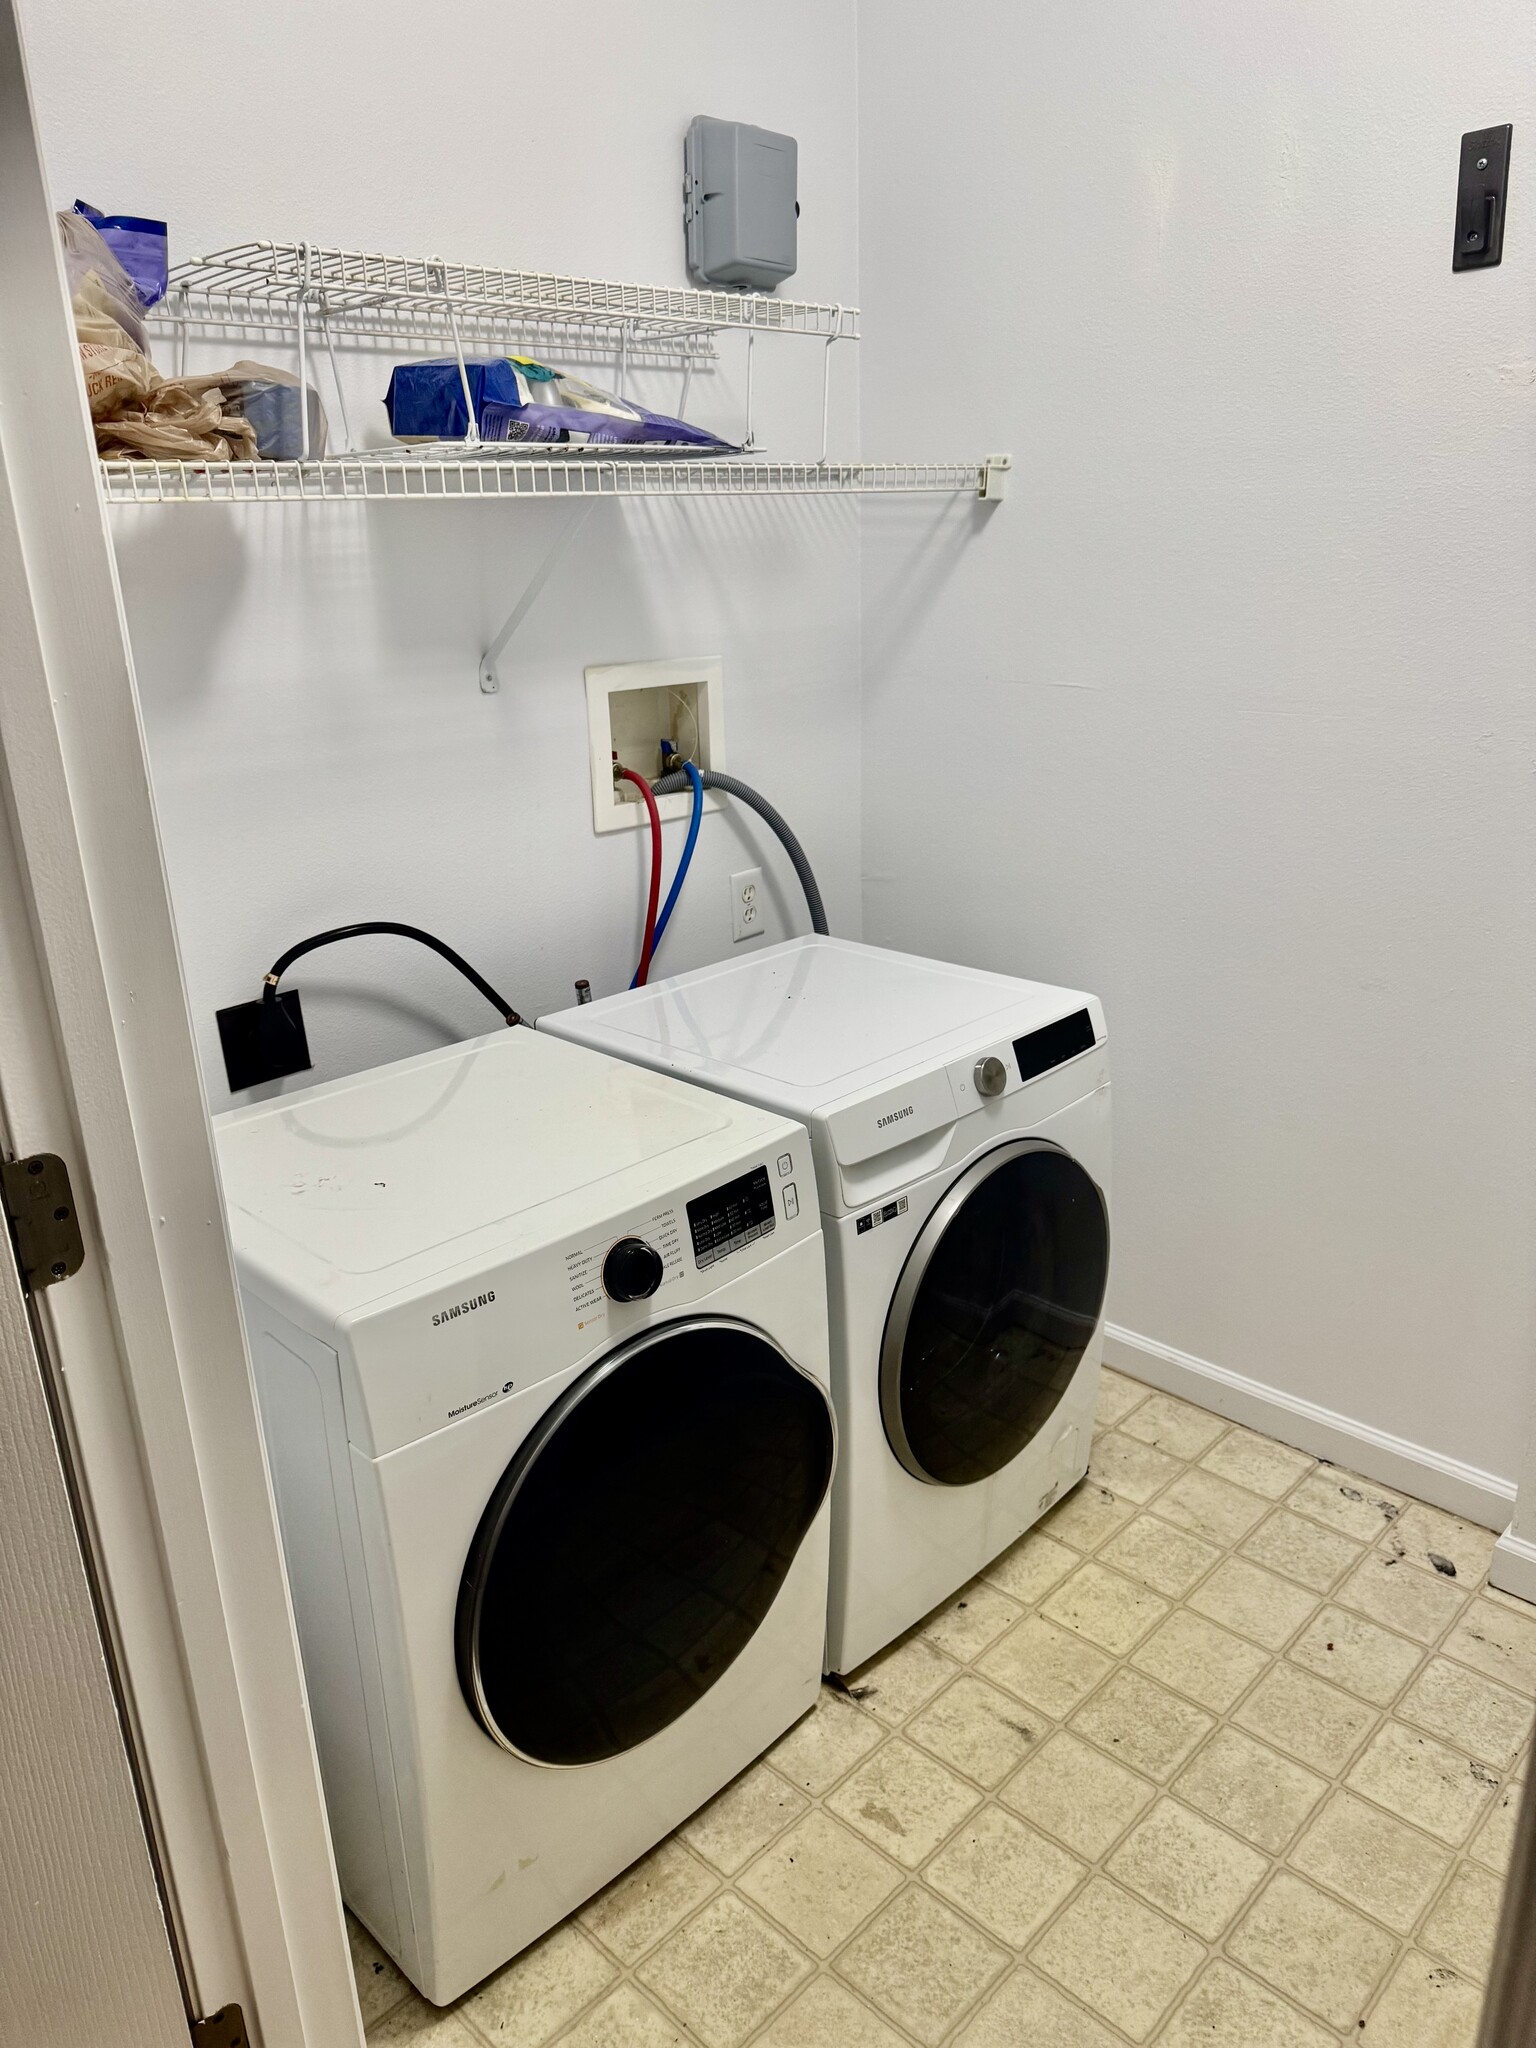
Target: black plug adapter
x,y
263,1041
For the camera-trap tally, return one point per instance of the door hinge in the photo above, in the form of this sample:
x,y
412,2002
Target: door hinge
x,y
222,2029
40,1208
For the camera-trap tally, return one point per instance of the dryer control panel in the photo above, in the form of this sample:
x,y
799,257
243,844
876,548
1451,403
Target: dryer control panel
x,y
1038,1051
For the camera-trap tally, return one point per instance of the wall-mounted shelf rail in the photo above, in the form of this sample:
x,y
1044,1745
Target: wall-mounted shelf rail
x,y
398,476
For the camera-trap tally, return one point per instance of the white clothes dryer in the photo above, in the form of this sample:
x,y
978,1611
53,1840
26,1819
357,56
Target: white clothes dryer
x,y
960,1127
541,1352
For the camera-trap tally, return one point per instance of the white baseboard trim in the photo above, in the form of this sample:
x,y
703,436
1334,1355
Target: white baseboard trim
x,y
1464,1490
1513,1569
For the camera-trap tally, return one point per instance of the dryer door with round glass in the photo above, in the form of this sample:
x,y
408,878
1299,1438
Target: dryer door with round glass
x,y
638,1539
996,1305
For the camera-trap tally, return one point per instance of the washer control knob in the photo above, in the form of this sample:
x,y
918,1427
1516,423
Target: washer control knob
x,y
632,1270
991,1076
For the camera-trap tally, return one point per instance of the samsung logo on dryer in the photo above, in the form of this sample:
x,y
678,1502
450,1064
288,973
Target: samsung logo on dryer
x,y
464,1308
894,1117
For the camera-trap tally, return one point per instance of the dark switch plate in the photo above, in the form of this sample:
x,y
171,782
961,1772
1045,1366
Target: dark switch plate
x,y
264,1041
1480,195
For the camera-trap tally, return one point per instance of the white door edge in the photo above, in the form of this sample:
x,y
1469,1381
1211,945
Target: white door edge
x,y
97,1062
88,1950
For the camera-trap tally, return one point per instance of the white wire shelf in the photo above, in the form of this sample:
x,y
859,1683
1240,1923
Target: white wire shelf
x,y
322,298
395,477
358,290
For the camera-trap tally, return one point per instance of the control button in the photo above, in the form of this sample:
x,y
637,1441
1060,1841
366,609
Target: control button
x,y
791,1200
991,1076
786,1164
632,1270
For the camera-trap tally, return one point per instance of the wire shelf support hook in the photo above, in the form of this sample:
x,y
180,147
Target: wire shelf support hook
x,y
490,679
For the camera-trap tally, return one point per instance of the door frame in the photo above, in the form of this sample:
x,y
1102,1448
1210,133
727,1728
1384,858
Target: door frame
x,y
97,1063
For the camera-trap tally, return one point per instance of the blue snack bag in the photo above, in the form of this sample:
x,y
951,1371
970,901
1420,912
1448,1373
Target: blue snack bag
x,y
425,401
141,246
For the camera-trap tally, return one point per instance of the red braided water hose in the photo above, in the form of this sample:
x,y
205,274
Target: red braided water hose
x,y
649,941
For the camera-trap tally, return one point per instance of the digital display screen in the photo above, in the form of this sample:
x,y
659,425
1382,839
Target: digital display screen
x,y
1038,1051
729,1218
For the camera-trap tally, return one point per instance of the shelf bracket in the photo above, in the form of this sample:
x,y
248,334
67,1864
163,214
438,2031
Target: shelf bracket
x,y
490,680
994,476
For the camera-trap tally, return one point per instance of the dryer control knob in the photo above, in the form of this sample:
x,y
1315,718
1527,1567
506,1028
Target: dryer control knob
x,y
991,1076
632,1270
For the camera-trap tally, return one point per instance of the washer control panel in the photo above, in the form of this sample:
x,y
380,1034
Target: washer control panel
x,y
586,1268
729,1218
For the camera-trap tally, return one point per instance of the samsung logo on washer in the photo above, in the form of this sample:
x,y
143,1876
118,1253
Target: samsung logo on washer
x,y
895,1117
464,1308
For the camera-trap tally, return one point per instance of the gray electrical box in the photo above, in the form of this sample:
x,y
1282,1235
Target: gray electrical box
x,y
739,206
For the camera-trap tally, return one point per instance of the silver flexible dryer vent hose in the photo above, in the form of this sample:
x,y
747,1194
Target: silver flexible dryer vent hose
x,y
672,785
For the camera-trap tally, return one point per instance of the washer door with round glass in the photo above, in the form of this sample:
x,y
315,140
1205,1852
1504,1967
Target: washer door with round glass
x,y
995,1307
638,1539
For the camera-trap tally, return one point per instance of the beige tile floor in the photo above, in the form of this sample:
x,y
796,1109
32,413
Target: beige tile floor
x,y
1217,1755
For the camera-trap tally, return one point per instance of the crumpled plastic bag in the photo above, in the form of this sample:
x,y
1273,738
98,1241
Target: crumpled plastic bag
x,y
135,411
169,419
138,413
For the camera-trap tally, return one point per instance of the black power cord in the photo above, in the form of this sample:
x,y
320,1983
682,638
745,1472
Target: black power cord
x,y
265,1040
284,961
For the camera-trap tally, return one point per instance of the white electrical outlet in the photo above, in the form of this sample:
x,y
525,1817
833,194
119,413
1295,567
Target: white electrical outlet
x,y
748,906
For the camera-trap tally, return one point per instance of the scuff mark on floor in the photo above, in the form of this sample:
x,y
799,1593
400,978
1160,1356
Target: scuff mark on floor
x,y
882,1817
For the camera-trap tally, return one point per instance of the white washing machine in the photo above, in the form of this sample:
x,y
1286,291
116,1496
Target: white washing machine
x,y
960,1127
541,1350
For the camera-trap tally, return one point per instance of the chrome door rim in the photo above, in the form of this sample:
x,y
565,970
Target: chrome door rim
x,y
483,1548
914,1271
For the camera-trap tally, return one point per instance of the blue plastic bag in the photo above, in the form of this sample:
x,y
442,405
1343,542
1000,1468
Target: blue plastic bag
x,y
425,401
141,246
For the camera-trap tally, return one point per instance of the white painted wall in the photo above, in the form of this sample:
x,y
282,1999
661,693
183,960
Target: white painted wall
x,y
1229,715
322,752
1226,714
